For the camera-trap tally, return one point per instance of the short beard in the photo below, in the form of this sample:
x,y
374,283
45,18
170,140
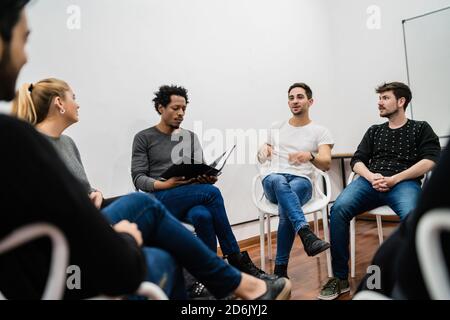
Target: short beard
x,y
389,115
8,77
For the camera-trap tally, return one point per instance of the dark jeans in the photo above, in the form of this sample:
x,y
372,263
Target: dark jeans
x,y
290,193
357,198
106,202
161,230
203,206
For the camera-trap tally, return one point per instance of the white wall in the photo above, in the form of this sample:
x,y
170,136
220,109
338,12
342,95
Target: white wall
x,y
236,57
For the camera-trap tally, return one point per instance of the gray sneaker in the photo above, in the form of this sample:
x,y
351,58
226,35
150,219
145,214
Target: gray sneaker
x,y
333,289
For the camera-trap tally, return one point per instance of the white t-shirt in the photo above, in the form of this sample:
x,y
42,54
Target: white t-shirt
x,y
286,139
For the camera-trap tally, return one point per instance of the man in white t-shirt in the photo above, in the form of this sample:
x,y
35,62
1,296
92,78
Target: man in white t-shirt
x,y
293,150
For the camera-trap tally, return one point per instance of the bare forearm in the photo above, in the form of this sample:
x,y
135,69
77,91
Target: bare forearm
x,y
323,162
417,170
323,158
361,169
160,185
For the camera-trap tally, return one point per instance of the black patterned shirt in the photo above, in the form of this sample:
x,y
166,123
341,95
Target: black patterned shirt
x,y
390,151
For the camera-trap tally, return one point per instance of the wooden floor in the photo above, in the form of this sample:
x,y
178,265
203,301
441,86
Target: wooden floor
x,y
308,274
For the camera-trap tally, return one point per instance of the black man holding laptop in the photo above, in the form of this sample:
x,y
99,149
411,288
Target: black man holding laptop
x,y
159,151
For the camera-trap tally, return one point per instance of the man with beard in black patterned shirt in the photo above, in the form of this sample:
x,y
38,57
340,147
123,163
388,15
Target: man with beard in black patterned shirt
x,y
391,160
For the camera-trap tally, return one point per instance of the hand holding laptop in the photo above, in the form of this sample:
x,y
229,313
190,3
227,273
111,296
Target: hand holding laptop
x,y
181,181
173,183
205,179
196,172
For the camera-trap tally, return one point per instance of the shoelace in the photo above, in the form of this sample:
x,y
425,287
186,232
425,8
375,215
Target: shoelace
x,y
332,284
198,288
254,268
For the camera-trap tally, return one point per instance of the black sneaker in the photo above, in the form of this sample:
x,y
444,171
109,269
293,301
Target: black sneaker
x,y
279,289
243,262
198,291
312,244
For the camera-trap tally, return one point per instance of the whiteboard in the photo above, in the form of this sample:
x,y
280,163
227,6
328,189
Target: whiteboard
x,y
427,40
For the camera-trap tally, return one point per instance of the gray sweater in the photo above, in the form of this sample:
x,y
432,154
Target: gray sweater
x,y
154,152
68,151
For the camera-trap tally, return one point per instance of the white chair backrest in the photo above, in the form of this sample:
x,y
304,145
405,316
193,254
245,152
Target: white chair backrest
x,y
352,177
323,191
430,253
147,290
151,291
56,282
318,187
369,295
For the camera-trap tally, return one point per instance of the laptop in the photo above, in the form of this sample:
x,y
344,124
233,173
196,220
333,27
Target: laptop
x,y
189,169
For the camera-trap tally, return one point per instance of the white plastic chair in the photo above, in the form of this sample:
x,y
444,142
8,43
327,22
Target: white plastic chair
x,y
147,289
370,295
430,256
379,212
430,253
316,204
56,282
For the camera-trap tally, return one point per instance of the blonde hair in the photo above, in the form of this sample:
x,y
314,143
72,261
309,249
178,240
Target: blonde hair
x,y
33,101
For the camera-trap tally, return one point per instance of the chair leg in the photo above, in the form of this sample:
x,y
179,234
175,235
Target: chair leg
x,y
380,229
326,235
269,238
261,241
352,247
316,224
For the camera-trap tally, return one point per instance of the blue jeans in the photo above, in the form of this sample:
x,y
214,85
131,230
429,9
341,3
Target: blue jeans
x,y
161,230
203,206
358,198
202,220
164,271
290,193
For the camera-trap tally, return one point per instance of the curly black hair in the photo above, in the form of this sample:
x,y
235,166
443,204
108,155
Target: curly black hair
x,y
163,95
9,16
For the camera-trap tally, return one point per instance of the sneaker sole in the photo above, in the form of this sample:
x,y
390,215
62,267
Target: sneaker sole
x,y
334,296
285,294
319,251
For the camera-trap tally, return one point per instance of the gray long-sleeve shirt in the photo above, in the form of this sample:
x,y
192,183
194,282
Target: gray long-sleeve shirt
x,y
68,151
154,152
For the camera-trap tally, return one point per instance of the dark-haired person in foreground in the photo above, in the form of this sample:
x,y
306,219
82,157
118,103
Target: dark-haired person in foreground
x,y
37,187
391,160
401,275
196,200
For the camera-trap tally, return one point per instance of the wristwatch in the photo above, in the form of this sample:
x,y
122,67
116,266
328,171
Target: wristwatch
x,y
312,157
